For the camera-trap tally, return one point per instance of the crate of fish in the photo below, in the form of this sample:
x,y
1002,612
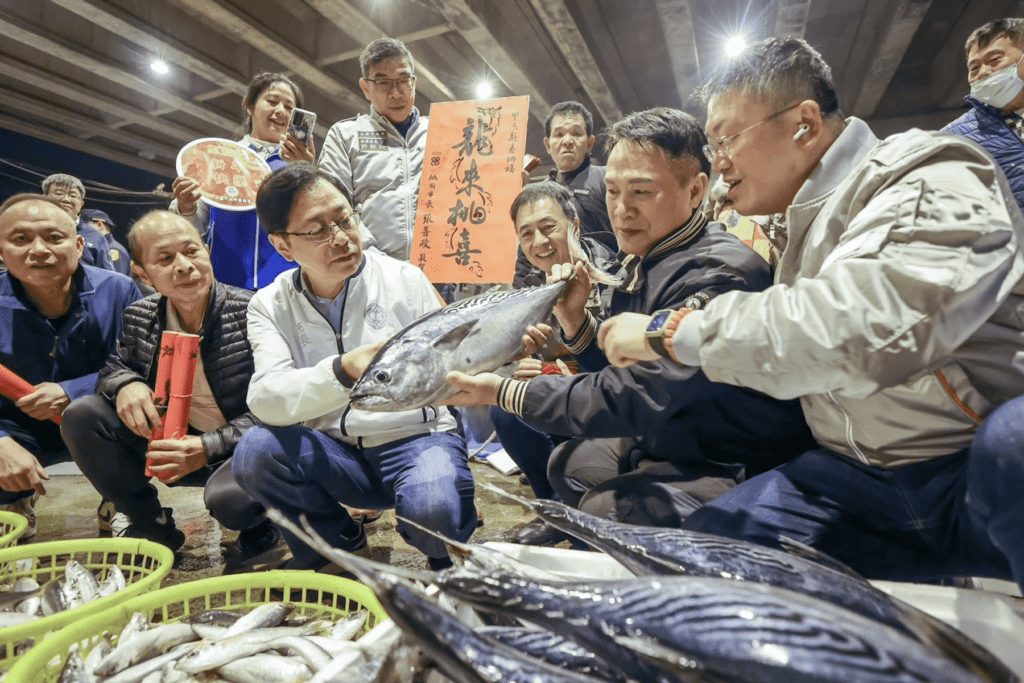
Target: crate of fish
x,y
12,526
327,621
46,586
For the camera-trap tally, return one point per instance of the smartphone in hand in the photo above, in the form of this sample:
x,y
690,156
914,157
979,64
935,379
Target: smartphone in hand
x,y
301,125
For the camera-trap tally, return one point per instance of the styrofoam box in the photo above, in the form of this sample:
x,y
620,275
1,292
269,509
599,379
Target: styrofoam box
x,y
991,619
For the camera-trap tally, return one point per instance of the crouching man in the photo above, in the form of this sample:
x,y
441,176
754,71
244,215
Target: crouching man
x,y
313,331
108,433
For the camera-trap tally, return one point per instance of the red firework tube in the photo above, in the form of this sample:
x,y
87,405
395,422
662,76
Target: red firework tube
x,y
162,391
183,374
14,387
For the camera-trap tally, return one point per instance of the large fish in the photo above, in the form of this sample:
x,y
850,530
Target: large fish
x,y
653,551
479,334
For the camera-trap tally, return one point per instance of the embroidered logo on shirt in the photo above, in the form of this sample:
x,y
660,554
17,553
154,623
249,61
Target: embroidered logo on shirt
x,y
373,141
697,301
376,316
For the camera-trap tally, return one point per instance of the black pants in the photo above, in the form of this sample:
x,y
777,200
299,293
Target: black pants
x,y
113,458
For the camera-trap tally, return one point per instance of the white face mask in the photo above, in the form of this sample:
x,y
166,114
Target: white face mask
x,y
999,88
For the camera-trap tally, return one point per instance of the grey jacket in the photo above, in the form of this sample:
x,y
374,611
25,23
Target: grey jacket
x,y
381,170
897,313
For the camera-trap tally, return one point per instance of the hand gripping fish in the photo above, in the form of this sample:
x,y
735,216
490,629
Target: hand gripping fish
x,y
479,334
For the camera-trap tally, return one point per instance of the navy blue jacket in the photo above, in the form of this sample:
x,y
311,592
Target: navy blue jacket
x,y
987,126
675,412
72,355
96,253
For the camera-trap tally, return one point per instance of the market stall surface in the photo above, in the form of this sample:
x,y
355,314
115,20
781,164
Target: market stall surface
x,y
68,511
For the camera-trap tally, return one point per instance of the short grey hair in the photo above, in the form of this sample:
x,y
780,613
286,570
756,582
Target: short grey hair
x,y
381,49
535,192
994,30
777,72
63,180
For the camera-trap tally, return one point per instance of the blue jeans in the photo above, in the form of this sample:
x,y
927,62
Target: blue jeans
x,y
957,515
299,470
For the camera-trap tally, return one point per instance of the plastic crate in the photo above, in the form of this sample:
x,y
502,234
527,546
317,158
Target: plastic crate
x,y
143,563
12,526
312,594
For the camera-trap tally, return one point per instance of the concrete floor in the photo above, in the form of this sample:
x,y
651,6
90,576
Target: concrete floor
x,y
68,511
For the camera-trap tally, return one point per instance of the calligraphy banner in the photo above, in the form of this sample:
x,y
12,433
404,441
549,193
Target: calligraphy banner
x,y
472,171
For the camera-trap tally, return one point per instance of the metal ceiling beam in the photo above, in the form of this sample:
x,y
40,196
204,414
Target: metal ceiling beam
x,y
889,53
358,26
791,18
36,38
147,36
80,126
95,149
559,23
74,92
676,18
407,38
245,29
474,31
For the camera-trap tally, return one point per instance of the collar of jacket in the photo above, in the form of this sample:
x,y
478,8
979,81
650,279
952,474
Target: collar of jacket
x,y
214,305
84,287
634,279
386,122
566,178
300,286
840,160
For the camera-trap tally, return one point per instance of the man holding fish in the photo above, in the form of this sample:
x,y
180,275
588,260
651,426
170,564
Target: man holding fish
x,y
653,441
895,317
61,319
313,331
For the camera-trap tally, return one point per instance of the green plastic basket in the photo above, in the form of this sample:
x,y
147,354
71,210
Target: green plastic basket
x,y
313,595
12,526
143,563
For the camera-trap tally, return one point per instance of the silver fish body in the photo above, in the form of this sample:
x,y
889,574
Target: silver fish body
x,y
145,645
734,630
479,334
348,626
265,616
653,551
215,654
553,648
264,669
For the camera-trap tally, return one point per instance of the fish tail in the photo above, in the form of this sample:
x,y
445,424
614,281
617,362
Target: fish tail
x,y
576,255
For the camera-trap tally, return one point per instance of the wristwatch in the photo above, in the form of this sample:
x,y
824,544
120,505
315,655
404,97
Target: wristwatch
x,y
656,331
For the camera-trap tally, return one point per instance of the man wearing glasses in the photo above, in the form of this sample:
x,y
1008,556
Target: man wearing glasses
x,y
313,331
69,191
378,157
894,317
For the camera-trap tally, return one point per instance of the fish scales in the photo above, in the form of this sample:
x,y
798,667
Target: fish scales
x,y
730,628
474,335
655,551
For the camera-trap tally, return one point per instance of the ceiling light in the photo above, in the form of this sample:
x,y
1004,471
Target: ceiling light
x,y
483,91
159,66
735,46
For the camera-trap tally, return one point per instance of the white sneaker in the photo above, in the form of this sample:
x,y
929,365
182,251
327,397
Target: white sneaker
x,y
109,519
26,507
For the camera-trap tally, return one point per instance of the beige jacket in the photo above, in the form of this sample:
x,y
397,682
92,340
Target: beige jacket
x,y
897,312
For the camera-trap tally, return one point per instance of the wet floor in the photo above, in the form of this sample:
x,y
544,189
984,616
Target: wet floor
x,y
68,511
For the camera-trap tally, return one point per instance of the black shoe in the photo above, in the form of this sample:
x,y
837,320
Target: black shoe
x,y
439,563
539,532
352,545
258,540
524,480
165,534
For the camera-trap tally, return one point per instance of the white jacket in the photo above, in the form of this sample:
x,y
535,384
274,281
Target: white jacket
x,y
294,348
381,170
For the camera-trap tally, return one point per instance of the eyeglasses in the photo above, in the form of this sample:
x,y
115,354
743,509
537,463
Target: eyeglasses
x,y
325,233
404,84
61,192
720,147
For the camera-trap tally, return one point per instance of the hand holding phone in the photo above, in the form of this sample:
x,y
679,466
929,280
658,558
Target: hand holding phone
x,y
301,125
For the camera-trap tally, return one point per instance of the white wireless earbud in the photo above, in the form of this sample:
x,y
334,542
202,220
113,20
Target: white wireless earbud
x,y
802,131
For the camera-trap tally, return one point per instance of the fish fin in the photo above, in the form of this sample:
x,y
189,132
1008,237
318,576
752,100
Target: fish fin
x,y
804,551
452,338
525,502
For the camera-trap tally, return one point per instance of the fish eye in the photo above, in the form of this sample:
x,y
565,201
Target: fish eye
x,y
381,376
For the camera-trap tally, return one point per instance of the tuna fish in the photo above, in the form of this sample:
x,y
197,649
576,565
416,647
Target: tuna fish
x,y
652,551
479,334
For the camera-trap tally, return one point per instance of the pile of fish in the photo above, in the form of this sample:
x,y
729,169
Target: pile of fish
x,y
265,645
700,609
27,601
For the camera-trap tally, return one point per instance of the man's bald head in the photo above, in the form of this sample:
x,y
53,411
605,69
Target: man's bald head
x,y
152,224
26,201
